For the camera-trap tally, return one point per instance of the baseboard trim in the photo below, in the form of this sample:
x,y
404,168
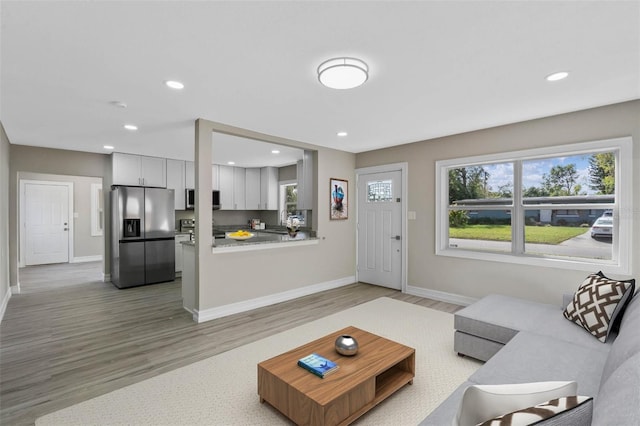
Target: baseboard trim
x,y
5,302
106,278
260,302
82,259
442,296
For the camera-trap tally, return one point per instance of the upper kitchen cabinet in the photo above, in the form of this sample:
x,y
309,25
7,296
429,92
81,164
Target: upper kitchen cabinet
x,y
176,181
138,170
232,187
305,181
269,188
226,187
252,189
215,177
239,189
189,175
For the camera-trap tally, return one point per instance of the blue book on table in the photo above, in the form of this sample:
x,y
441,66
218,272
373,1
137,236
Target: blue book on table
x,y
318,365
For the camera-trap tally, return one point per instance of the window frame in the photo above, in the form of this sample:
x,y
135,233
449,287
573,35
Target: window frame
x,y
622,207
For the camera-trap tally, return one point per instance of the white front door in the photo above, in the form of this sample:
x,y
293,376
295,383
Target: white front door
x,y
46,224
380,245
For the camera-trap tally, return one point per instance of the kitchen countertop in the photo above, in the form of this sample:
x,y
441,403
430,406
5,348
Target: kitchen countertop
x,y
262,239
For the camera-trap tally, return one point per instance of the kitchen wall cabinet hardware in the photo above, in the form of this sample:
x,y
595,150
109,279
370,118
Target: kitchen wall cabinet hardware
x,y
176,181
138,170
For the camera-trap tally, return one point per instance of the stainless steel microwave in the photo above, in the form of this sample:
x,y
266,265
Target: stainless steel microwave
x,y
190,195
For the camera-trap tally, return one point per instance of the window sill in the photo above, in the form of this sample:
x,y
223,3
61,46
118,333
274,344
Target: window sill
x,y
607,266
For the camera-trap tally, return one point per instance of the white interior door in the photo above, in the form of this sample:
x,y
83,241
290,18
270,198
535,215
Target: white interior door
x,y
380,245
46,223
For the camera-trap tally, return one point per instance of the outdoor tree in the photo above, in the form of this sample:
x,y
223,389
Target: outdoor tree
x,y
561,180
602,168
467,183
534,191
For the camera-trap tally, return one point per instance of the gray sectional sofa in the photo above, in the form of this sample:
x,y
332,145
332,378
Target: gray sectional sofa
x,y
523,341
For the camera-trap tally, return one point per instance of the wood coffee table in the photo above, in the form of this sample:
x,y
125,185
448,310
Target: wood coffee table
x,y
379,369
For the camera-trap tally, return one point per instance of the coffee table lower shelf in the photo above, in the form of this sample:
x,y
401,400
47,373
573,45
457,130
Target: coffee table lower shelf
x,y
380,368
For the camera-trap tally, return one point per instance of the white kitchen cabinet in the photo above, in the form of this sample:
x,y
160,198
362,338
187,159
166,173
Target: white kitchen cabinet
x,y
252,189
215,177
138,170
226,187
269,188
175,181
189,175
239,189
305,174
179,259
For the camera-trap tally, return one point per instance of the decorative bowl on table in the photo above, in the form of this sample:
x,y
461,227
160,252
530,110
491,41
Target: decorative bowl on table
x,y
240,235
346,345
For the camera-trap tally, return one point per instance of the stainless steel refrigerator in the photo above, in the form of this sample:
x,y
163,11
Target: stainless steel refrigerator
x,y
142,236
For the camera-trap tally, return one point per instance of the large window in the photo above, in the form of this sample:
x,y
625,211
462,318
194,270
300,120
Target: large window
x,y
565,206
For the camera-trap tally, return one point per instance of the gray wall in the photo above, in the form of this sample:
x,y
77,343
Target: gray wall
x,y
84,245
473,278
49,161
4,220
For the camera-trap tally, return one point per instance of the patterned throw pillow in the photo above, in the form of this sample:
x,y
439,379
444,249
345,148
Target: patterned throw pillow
x,y
544,411
598,302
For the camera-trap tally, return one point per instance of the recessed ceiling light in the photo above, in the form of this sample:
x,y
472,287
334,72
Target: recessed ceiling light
x,y
174,84
557,76
342,134
231,163
275,151
343,73
131,127
119,104
108,147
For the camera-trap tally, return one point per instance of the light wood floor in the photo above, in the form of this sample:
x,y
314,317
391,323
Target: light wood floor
x,y
69,337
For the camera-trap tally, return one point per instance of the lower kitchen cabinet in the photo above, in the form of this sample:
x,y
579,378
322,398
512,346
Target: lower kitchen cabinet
x,y
179,239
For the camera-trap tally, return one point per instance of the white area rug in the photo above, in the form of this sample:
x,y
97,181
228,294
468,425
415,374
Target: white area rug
x,y
222,390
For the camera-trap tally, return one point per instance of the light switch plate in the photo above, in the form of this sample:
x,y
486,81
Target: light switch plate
x,y
411,215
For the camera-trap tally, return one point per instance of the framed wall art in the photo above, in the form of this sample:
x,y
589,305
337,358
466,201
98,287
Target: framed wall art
x,y
339,196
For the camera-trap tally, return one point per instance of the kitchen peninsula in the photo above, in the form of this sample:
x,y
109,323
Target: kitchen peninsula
x,y
245,276
260,240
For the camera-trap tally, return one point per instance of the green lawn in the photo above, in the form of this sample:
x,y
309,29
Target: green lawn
x,y
533,234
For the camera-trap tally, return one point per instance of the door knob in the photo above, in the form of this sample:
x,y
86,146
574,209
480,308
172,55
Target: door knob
x,y
66,229
397,237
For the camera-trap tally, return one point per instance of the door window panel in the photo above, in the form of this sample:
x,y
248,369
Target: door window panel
x,y
380,191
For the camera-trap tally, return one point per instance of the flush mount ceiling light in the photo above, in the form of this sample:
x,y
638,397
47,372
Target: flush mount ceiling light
x,y
174,84
131,127
343,73
557,76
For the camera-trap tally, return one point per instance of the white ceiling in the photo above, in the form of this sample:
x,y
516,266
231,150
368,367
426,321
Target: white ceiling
x,y
436,68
